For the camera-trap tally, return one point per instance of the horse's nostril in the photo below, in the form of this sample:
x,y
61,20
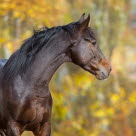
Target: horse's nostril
x,y
102,73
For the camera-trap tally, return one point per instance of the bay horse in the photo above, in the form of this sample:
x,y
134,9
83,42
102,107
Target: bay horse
x,y
25,99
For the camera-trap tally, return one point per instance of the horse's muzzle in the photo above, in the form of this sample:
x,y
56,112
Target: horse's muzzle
x,y
104,70
100,70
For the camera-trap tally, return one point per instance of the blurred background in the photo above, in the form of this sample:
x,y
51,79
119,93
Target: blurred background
x,y
83,106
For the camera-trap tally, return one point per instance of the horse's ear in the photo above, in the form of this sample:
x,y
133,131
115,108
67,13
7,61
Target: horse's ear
x,y
82,18
83,23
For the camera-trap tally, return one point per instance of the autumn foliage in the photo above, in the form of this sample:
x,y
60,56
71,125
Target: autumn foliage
x,y
83,106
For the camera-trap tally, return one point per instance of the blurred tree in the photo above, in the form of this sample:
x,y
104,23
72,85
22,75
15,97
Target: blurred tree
x,y
19,17
82,105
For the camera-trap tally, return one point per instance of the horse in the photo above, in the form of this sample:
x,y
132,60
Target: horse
x,y
25,99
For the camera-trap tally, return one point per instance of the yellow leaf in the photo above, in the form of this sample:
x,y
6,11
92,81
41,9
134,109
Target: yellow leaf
x,y
114,98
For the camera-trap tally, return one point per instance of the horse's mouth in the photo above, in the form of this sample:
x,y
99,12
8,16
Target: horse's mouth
x,y
99,72
90,70
101,76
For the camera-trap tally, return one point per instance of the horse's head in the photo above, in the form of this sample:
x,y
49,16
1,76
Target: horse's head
x,y
86,53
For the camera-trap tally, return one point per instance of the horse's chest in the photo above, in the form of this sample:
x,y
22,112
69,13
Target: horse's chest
x,y
40,108
34,111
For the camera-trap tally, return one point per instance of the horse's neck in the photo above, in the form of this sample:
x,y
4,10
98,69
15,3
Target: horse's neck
x,y
45,65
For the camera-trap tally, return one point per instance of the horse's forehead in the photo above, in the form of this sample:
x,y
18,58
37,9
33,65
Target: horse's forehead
x,y
90,31
90,34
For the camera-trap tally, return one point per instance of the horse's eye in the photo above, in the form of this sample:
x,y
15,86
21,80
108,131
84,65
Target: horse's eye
x,y
94,42
91,41
87,39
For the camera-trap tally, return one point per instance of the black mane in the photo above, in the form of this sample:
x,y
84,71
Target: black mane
x,y
22,58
